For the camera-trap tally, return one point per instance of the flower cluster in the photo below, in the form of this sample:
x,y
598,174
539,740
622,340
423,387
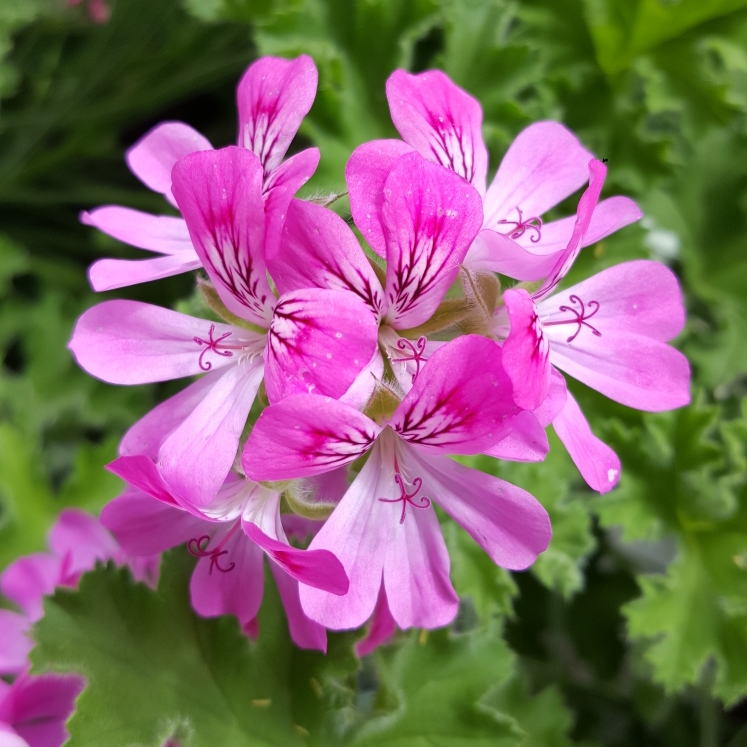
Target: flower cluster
x,y
335,382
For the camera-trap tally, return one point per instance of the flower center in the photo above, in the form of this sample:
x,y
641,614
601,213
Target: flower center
x,y
198,546
414,352
579,318
521,226
405,497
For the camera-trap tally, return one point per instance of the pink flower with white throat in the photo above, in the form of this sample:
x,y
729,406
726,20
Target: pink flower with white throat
x,y
385,530
273,97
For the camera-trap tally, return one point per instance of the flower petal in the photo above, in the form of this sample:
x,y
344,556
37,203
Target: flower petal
x,y
430,218
507,522
366,174
382,627
544,165
140,472
82,539
128,342
109,274
320,251
306,435
441,121
26,580
598,464
152,157
220,195
527,441
460,401
273,97
15,642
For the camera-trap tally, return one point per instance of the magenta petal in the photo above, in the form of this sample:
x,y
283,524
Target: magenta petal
x,y
128,342
460,401
109,274
304,632
283,183
320,251
273,97
319,342
140,472
216,590
555,400
196,458
525,352
544,165
527,441
26,580
595,460
220,195
81,539
381,628
317,568
430,218
493,252
507,522
441,121
306,435
152,158
144,526
15,643
366,174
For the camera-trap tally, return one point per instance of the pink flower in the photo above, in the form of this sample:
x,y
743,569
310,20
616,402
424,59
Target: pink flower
x,y
273,97
609,331
544,165
229,536
306,340
385,528
34,709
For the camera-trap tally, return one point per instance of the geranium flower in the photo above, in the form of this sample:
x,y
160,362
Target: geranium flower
x,y
385,529
309,339
273,97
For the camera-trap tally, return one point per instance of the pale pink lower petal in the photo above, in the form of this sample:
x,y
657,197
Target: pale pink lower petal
x,y
555,400
196,458
526,351
494,252
357,533
26,580
319,341
82,538
128,342
15,643
441,121
152,157
304,632
382,627
507,522
598,464
146,568
366,174
527,441
109,274
306,435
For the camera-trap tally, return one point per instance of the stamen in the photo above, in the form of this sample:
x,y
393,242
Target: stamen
x,y
405,497
197,546
416,351
522,226
212,345
580,317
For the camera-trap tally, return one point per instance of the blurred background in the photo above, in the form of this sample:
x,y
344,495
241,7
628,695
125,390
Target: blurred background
x,y
632,629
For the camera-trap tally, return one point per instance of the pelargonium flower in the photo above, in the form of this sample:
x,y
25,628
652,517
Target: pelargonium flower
x,y
273,97
306,340
77,541
385,529
544,165
35,708
229,536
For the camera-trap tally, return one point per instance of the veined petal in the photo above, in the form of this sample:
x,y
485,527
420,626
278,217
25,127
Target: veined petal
x,y
597,463
366,174
319,342
196,458
273,97
460,401
430,217
527,441
544,165
507,522
128,342
360,391
26,580
441,121
381,627
306,435
109,274
82,539
304,632
15,642
318,250
357,533
156,233
152,157
220,196
283,183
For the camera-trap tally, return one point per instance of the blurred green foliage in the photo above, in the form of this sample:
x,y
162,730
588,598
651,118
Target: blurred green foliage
x,y
632,629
